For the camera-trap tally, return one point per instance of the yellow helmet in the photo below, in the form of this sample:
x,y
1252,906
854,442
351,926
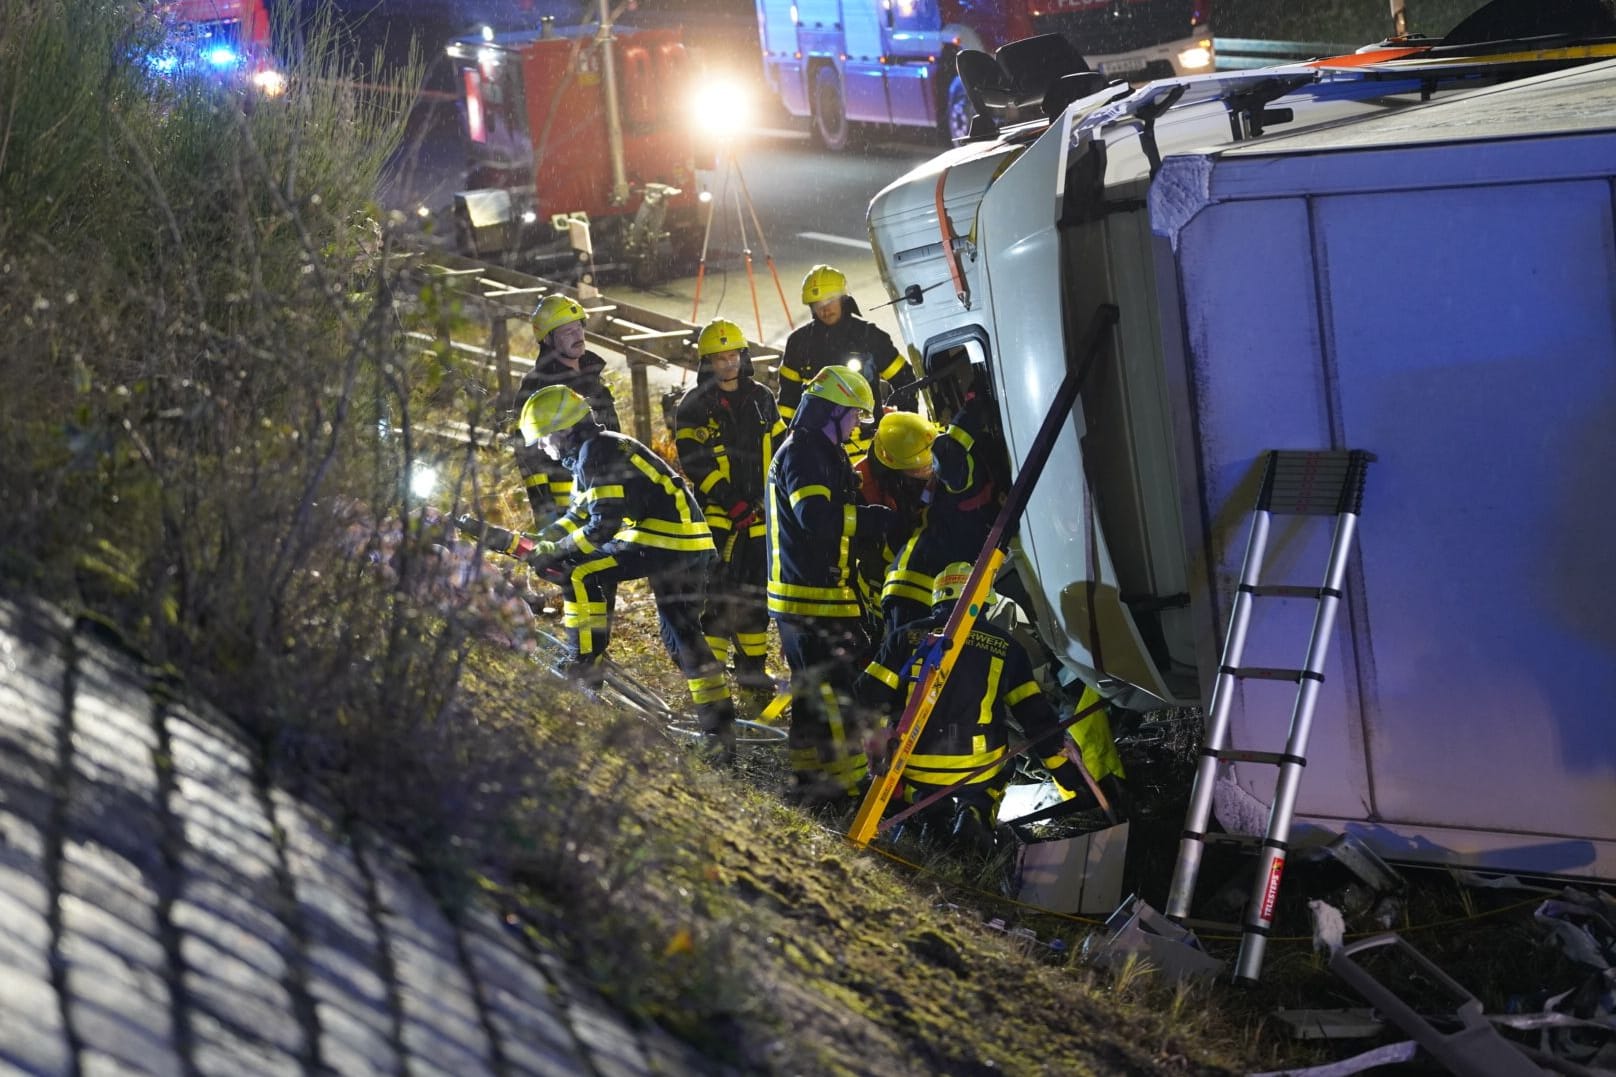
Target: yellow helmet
x,y
553,312
823,282
721,335
903,440
841,385
950,583
552,408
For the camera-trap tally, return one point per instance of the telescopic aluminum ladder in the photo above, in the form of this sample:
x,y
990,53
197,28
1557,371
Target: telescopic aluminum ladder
x,y
1295,483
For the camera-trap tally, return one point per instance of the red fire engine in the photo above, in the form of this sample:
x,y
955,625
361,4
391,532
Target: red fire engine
x,y
578,133
225,39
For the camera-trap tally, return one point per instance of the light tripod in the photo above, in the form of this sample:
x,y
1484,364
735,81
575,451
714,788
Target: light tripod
x,y
732,167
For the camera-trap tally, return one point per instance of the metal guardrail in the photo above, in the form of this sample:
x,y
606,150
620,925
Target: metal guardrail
x,y
1242,53
644,337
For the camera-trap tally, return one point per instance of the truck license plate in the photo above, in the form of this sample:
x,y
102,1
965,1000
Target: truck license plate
x,y
1122,67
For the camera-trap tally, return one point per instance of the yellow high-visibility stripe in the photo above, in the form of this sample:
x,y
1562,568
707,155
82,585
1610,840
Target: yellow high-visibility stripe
x,y
803,590
918,762
799,496
883,674
690,544
538,478
844,554
679,528
753,644
990,691
893,367
720,647
967,442
595,493
688,433
850,608
707,689
1016,695
588,616
789,374
713,479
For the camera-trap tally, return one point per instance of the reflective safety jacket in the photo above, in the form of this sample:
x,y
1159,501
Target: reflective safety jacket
x,y
624,492
962,501
991,684
813,516
811,347
546,482
726,442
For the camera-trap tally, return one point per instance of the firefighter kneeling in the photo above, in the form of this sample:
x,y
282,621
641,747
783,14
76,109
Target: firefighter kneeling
x,y
991,685
630,516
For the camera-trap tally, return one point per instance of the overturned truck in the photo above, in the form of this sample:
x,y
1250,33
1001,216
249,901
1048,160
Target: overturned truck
x,y
1400,253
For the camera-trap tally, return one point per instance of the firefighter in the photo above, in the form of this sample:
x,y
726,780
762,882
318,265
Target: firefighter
x,y
895,474
631,516
991,685
962,500
558,326
726,429
837,334
814,518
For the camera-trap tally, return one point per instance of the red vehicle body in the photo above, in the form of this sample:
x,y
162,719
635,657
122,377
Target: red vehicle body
x,y
844,62
536,116
227,39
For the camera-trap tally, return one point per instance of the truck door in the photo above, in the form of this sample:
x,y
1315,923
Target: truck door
x,y
913,49
864,43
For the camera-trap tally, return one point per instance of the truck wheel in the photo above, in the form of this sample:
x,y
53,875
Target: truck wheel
x,y
830,113
956,112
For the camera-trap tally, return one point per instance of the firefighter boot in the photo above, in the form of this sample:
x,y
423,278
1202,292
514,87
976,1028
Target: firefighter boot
x,y
970,831
718,733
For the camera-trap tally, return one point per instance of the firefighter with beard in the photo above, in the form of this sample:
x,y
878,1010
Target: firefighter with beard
x,y
814,520
837,334
631,516
992,685
726,430
564,359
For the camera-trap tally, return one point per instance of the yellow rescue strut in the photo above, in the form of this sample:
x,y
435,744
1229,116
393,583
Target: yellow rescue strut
x,y
939,653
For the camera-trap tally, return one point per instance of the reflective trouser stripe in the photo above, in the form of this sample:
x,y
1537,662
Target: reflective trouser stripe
x,y
753,644
846,765
721,648
707,689
578,612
